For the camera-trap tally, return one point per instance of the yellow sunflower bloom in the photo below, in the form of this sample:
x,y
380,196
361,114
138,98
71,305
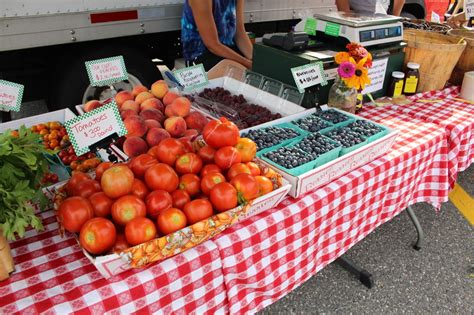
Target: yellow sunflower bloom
x,y
341,57
361,77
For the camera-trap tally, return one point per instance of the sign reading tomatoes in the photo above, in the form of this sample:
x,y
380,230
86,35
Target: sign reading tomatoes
x,y
88,129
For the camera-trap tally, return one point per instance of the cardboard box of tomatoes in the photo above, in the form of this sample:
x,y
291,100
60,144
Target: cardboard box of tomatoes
x,y
170,198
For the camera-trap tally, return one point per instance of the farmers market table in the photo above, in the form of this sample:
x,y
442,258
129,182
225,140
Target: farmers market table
x,y
252,264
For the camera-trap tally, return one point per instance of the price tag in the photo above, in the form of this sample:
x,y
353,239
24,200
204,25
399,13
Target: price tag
x,y
435,17
106,71
308,75
192,77
376,75
332,29
469,9
91,127
10,96
310,26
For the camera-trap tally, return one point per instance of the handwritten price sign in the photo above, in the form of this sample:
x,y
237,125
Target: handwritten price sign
x,y
192,77
90,128
106,71
309,75
10,96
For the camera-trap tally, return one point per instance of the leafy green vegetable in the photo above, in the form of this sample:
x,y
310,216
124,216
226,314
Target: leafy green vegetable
x,y
22,166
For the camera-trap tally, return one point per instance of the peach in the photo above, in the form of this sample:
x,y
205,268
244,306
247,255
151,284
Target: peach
x,y
155,135
91,105
180,107
159,88
128,113
134,146
196,120
152,114
176,126
151,123
130,105
143,96
122,97
137,89
169,98
152,103
135,126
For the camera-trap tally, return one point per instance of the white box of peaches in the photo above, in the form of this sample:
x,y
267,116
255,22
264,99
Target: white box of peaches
x,y
183,184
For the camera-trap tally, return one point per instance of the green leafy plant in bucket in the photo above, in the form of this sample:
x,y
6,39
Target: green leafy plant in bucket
x,y
22,166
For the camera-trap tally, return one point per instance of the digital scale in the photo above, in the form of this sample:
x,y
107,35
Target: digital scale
x,y
364,28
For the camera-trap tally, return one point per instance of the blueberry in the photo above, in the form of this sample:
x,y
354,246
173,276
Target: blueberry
x,y
345,136
332,116
268,137
289,157
365,128
311,123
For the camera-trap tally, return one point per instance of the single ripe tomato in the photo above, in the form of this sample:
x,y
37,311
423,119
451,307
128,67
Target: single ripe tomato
x,y
220,133
74,212
76,178
97,236
139,189
211,180
254,168
86,188
180,198
190,183
236,169
210,168
168,151
247,187
127,208
188,163
161,176
121,244
197,210
156,201
265,185
225,157
141,163
187,144
206,153
247,149
101,203
223,197
171,220
140,230
100,169
117,181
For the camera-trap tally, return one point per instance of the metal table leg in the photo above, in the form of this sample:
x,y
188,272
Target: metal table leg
x,y
419,230
365,277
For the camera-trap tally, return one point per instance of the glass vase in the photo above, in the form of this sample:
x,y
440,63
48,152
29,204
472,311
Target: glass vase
x,y
342,97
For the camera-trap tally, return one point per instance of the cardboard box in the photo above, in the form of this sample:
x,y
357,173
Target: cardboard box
x,y
332,170
191,236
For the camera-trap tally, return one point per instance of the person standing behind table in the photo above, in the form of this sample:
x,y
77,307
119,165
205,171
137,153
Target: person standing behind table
x,y
371,6
213,33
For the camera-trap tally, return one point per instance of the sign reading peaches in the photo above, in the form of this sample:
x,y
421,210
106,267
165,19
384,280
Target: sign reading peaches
x,y
10,96
89,128
106,71
192,77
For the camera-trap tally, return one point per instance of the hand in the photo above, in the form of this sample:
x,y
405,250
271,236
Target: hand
x,y
247,63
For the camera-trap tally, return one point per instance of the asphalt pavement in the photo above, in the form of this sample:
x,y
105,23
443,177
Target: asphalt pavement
x,y
437,279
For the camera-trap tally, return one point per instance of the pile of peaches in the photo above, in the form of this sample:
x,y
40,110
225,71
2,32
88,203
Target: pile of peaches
x,y
153,115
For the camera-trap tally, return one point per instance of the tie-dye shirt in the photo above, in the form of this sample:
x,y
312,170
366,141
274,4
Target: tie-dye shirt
x,y
225,19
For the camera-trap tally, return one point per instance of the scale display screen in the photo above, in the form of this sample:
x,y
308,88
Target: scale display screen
x,y
380,33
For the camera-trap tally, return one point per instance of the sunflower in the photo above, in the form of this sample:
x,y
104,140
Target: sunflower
x,y
361,77
341,57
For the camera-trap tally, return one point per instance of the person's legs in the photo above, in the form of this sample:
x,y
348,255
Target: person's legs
x,y
220,68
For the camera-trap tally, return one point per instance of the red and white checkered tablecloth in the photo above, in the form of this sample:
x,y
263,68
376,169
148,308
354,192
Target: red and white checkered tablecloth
x,y
455,116
252,264
53,276
269,255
